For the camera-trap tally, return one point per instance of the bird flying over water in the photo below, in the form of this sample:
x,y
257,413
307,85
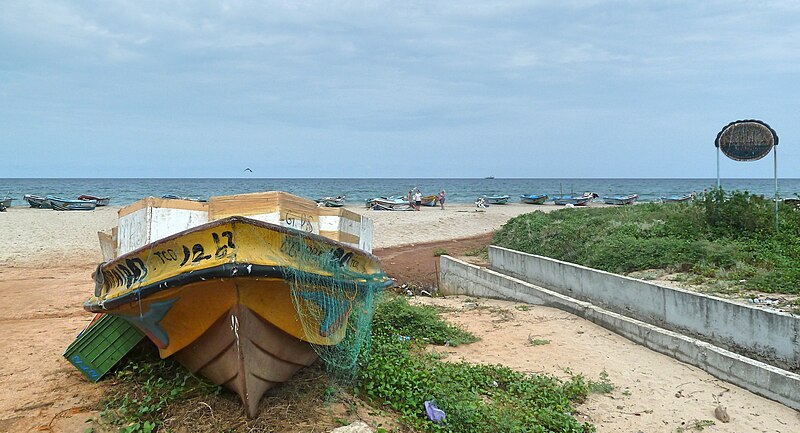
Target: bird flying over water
x,y
248,169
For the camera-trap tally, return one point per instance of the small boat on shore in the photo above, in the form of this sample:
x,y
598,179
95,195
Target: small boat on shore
x,y
389,203
677,198
792,202
430,200
620,200
244,302
497,199
58,203
337,201
5,204
175,197
534,198
581,200
101,201
36,201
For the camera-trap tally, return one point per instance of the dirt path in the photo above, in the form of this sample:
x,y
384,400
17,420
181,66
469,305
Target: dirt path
x,y
40,315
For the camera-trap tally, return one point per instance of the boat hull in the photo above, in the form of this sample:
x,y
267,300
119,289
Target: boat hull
x,y
430,200
621,200
503,199
575,201
533,199
37,202
101,201
217,297
58,203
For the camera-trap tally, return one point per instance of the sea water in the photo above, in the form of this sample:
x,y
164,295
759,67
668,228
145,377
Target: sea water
x,y
126,191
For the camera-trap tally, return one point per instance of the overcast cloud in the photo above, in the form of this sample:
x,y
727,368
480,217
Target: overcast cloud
x,y
393,89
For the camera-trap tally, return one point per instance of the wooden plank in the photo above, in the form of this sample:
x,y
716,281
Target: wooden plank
x,y
163,202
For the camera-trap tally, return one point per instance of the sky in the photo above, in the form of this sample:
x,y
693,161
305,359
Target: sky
x,y
403,89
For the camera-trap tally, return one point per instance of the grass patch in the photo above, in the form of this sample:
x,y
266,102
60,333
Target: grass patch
x,y
440,252
727,237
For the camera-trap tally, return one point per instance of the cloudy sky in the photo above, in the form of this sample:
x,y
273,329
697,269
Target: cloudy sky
x,y
550,89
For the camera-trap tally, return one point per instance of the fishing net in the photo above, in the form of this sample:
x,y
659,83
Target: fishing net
x,y
335,305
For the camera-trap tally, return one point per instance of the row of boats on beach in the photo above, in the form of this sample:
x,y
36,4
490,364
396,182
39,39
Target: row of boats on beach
x,y
402,203
83,202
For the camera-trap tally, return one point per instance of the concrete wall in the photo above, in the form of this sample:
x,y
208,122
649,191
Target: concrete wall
x,y
457,277
769,336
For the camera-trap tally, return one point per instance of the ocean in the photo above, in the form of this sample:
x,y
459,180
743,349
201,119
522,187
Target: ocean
x,y
126,191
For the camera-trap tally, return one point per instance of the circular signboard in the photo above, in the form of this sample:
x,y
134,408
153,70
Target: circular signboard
x,y
746,140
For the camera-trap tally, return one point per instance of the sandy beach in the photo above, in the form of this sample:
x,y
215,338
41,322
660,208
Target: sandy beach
x,y
45,275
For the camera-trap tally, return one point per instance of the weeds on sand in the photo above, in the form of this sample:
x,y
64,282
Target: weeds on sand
x,y
402,375
440,252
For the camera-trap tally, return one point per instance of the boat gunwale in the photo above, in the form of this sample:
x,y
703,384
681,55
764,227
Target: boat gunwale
x,y
250,221
225,270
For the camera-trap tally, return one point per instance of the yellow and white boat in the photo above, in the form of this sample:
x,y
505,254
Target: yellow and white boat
x,y
239,300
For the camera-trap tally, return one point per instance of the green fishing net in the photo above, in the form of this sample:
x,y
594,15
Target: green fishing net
x,y
338,301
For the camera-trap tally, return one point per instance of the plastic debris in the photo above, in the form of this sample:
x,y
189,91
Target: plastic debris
x,y
434,413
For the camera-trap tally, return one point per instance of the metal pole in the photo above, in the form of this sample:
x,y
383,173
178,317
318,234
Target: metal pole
x,y
775,153
717,167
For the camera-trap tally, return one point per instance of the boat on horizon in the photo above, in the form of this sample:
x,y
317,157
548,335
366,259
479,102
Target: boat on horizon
x,y
240,300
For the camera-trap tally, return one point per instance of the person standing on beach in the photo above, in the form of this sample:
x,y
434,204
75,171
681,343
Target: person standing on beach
x,y
441,199
417,200
411,198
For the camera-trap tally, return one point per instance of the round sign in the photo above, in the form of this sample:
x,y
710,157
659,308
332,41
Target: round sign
x,y
746,140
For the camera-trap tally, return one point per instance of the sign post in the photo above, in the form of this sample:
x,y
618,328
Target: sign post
x,y
749,140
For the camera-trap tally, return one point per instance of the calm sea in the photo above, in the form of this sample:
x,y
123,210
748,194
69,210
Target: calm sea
x,y
126,191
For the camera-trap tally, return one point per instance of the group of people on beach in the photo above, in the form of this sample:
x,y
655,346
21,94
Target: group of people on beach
x,y
415,198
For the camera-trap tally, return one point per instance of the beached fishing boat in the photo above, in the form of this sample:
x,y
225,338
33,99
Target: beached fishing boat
x,y
430,200
389,203
331,201
58,203
534,198
677,198
239,300
620,200
101,201
581,200
36,201
497,199
5,204
792,201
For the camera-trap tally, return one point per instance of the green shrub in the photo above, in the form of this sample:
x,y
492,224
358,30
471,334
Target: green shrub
x,y
401,375
726,235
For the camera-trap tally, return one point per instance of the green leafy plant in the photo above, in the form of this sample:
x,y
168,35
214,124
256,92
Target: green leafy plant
x,y
439,252
157,383
401,375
